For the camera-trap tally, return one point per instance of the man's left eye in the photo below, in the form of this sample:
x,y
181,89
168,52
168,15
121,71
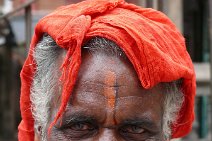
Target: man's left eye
x,y
134,129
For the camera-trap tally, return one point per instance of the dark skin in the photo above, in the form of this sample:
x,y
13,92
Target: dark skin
x,y
109,104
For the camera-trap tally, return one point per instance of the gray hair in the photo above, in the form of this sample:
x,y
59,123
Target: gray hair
x,y
45,90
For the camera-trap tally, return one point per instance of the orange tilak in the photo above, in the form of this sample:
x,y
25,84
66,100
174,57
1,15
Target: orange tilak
x,y
109,92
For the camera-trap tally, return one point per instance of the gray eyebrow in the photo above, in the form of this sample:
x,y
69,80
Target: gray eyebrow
x,y
80,118
76,118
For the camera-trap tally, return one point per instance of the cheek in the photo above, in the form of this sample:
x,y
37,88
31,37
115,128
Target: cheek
x,y
104,135
57,135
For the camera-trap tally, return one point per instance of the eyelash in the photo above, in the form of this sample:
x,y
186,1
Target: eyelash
x,y
144,135
69,133
132,128
89,126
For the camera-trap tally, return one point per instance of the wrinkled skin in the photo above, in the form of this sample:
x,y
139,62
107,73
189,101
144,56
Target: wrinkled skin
x,y
109,104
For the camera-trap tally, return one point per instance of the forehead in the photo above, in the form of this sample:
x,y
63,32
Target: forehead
x,y
109,81
101,70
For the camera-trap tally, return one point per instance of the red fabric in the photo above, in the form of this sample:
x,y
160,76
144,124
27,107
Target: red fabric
x,y
150,40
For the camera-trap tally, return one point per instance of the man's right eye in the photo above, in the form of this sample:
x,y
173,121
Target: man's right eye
x,y
79,130
82,126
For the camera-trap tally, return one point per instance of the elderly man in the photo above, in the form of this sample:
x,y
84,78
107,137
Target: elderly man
x,y
106,70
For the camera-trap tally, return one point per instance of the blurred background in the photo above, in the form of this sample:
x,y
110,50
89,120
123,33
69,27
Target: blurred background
x,y
19,17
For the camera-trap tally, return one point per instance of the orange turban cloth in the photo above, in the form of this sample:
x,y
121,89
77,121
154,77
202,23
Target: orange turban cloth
x,y
149,39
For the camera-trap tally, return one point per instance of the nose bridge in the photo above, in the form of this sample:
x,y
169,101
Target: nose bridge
x,y
108,135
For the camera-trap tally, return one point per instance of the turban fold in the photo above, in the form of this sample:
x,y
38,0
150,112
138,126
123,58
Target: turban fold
x,y
150,40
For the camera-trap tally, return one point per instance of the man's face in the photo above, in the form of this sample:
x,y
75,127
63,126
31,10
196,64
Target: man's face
x,y
109,104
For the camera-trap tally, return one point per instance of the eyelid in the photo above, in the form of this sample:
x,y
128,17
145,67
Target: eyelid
x,y
75,134
144,123
70,122
84,126
146,129
146,134
129,126
130,129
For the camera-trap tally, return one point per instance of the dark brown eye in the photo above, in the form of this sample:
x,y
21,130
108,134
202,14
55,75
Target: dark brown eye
x,y
81,126
133,129
78,130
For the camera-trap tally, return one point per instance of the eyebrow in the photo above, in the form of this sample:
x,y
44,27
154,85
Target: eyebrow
x,y
76,118
79,118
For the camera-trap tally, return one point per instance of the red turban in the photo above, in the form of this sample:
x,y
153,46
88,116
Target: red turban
x,y
149,39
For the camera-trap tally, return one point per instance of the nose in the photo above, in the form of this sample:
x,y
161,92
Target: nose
x,y
108,135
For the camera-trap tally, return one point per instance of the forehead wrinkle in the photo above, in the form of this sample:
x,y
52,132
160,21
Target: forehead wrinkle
x,y
102,84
